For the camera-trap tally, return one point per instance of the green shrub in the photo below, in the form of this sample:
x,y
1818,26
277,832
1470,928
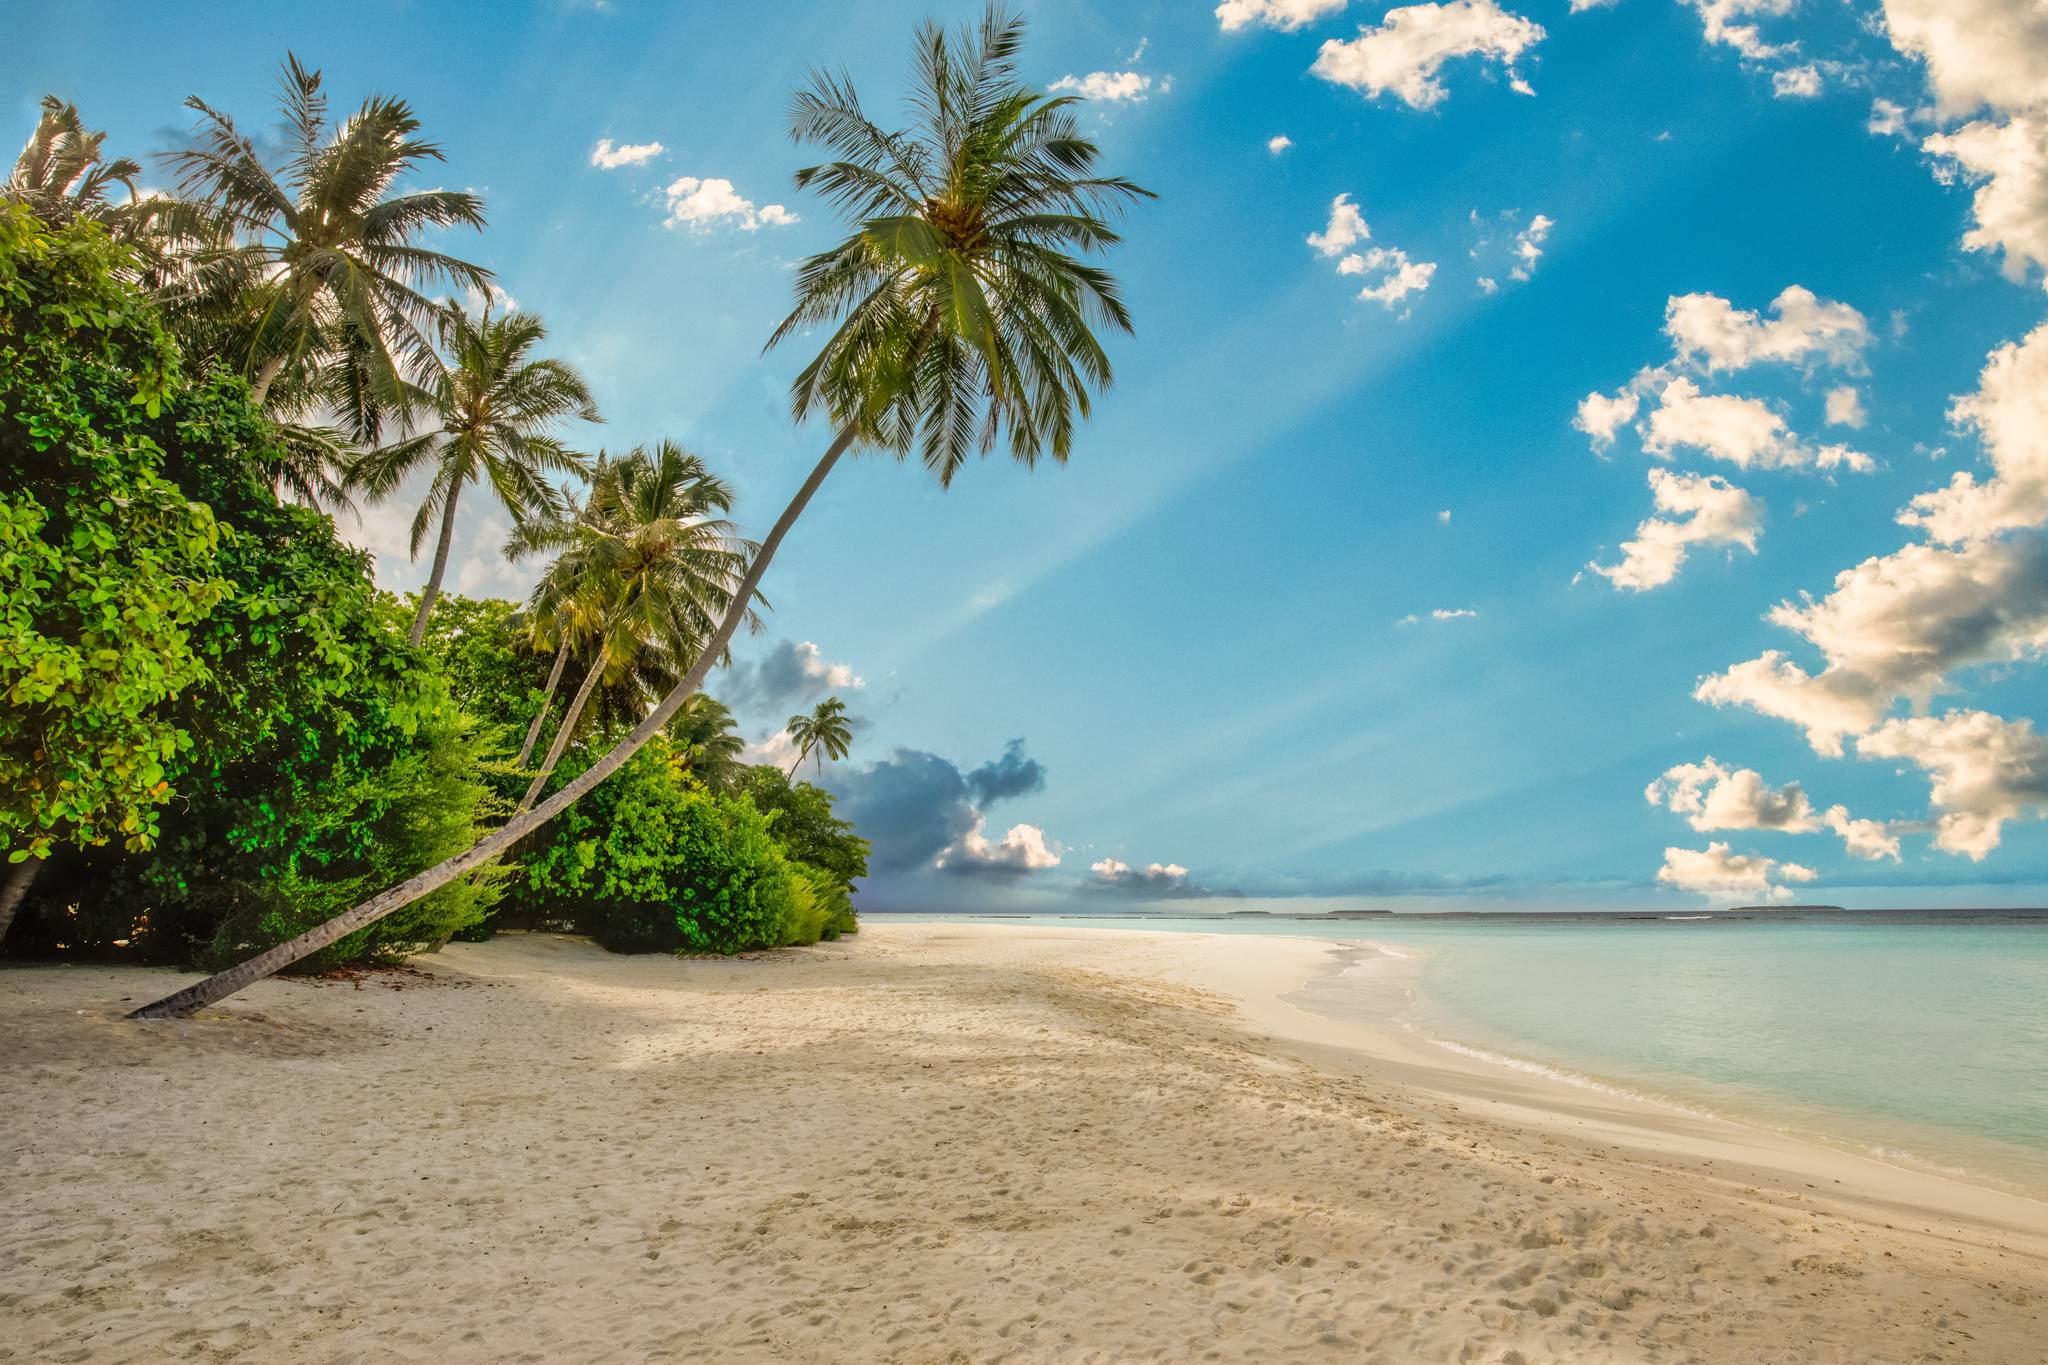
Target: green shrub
x,y
105,564
832,899
244,739
651,862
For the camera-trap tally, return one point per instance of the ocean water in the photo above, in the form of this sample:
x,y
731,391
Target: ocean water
x,y
1921,1037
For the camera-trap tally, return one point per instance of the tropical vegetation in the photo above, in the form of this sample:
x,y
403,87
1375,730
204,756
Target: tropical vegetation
x,y
223,743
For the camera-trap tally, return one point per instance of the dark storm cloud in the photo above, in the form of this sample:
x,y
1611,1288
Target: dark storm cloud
x,y
914,805
1012,775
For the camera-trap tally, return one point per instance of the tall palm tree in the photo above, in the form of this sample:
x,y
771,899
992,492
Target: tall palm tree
x,y
826,729
960,314
315,291
709,739
654,562
494,407
62,174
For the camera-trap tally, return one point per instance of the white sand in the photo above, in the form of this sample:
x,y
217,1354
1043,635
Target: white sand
x,y
932,1143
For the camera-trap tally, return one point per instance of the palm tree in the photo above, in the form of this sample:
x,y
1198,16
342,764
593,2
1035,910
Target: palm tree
x,y
561,622
314,291
825,729
62,175
494,406
654,563
709,740
961,314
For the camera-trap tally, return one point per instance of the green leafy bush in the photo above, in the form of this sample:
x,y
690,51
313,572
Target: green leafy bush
x,y
105,564
190,662
651,862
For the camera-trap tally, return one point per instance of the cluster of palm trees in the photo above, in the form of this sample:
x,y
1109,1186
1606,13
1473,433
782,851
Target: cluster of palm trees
x,y
309,280
957,314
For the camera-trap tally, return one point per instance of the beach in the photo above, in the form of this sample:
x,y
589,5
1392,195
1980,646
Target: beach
x,y
929,1142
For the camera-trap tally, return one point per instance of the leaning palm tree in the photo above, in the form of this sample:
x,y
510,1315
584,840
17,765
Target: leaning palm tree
x,y
825,729
62,175
654,562
960,315
315,292
493,406
561,622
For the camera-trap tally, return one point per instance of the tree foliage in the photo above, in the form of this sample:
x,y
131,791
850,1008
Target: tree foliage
x,y
651,862
106,566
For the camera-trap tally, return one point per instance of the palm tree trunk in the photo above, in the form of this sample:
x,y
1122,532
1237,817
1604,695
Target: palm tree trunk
x,y
264,378
801,755
547,703
197,996
565,729
15,889
433,588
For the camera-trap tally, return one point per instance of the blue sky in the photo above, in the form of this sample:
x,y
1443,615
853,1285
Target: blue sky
x,y
1216,633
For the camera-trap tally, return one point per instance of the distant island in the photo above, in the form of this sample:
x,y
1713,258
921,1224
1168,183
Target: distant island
x,y
1777,909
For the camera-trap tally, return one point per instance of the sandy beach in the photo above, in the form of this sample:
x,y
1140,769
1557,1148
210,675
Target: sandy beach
x,y
928,1143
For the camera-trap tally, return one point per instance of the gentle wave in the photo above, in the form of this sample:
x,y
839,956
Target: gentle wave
x,y
1558,1073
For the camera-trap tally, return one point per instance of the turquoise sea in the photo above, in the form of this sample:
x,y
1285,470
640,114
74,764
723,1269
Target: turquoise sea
x,y
1918,1036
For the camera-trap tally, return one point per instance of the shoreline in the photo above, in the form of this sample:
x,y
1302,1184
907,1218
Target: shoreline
x,y
1334,1025
925,1143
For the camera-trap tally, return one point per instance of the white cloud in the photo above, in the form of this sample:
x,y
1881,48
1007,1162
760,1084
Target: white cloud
x,y
1347,226
1404,55
607,157
1708,329
1165,878
1886,119
1286,15
1796,82
1024,849
1279,144
1720,875
1845,407
776,750
1724,22
1868,839
1985,770
1440,614
1399,276
2008,163
1714,796
1745,432
1713,512
1444,516
1894,628
1110,87
1529,246
701,204
1601,417
1979,53
2009,412
1581,6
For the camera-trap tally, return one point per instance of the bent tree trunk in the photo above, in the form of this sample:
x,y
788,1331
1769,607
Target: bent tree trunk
x,y
566,728
14,890
433,588
547,703
218,987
